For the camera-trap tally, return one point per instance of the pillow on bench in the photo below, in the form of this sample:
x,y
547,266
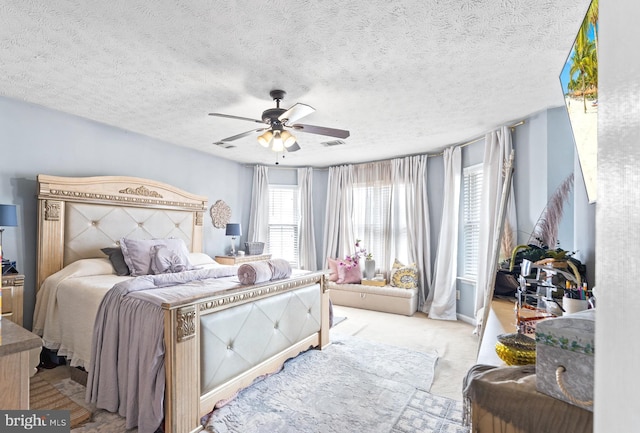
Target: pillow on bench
x,y
404,276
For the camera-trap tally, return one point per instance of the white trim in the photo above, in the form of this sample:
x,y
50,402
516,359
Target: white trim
x,y
466,319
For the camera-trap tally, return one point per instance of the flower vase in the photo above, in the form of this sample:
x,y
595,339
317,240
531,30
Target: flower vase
x,y
369,269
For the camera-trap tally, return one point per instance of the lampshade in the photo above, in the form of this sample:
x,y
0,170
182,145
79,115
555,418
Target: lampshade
x,y
234,229
265,138
277,139
277,145
287,139
8,216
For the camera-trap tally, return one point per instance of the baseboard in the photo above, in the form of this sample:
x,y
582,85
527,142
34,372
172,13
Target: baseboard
x,y
466,319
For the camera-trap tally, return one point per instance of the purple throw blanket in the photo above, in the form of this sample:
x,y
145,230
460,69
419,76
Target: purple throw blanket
x,y
126,372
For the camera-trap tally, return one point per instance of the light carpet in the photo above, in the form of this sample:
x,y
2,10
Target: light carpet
x,y
352,385
349,384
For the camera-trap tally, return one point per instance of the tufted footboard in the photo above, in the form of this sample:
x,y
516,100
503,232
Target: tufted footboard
x,y
219,345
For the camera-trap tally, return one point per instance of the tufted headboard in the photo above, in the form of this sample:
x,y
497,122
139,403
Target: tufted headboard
x,y
79,216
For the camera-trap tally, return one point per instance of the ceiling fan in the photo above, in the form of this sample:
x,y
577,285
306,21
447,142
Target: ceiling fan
x,y
279,122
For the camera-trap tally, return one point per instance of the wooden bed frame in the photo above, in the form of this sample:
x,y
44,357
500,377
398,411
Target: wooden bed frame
x,y
184,404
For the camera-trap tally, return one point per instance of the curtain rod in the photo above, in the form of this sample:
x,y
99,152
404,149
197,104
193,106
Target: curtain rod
x,y
475,140
465,144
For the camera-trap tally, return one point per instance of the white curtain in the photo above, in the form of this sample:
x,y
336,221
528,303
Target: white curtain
x,y
338,235
497,150
386,197
441,300
259,216
411,173
306,234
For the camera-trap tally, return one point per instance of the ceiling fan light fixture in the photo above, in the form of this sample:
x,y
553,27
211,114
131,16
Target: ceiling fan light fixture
x,y
277,144
287,139
265,139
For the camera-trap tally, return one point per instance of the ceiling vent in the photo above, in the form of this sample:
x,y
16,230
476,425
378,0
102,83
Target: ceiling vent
x,y
333,143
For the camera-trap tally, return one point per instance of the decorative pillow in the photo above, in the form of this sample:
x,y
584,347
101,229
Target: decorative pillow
x,y
280,268
404,276
164,261
254,272
117,260
138,253
333,269
349,276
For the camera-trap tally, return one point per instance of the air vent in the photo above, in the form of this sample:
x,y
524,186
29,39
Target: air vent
x,y
333,143
224,145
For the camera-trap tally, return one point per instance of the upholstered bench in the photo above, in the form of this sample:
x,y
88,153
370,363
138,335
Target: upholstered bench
x,y
387,299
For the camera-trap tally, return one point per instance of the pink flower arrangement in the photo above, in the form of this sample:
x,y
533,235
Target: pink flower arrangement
x,y
352,260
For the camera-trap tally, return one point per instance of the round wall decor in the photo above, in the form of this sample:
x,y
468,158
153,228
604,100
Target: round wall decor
x,y
220,214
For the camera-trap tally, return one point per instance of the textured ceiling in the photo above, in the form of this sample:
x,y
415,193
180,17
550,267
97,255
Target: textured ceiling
x,y
404,77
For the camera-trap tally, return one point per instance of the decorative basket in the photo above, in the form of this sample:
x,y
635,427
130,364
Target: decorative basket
x,y
516,349
254,248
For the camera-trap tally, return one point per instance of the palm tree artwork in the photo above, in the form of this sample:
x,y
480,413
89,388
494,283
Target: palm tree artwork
x,y
584,61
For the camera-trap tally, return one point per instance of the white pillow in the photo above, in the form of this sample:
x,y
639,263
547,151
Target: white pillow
x,y
199,259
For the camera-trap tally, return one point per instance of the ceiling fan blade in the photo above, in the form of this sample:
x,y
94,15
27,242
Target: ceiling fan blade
x,y
297,111
331,132
294,147
244,134
230,116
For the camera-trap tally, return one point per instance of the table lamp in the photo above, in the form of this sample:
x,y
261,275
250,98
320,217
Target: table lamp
x,y
8,218
233,230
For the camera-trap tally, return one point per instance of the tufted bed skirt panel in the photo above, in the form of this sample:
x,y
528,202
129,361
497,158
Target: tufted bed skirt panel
x,y
239,338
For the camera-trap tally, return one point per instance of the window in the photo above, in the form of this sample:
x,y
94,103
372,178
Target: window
x,y
375,218
471,196
283,222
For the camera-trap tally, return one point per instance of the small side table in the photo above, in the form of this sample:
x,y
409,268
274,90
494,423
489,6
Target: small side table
x,y
16,348
236,260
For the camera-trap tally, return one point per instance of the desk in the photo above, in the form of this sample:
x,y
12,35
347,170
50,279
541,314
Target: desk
x,y
16,343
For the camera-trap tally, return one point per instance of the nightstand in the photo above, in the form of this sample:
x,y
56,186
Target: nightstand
x,y
236,260
12,296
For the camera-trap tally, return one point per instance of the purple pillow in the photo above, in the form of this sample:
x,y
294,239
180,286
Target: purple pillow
x,y
164,261
138,253
349,276
333,269
280,268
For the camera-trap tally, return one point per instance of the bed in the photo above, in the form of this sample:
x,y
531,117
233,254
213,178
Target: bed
x,y
216,335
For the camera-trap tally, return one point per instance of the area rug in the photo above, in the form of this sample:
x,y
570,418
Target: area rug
x,y
338,319
352,385
43,396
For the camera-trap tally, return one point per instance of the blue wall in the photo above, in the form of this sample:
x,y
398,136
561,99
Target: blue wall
x,y
35,140
544,156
